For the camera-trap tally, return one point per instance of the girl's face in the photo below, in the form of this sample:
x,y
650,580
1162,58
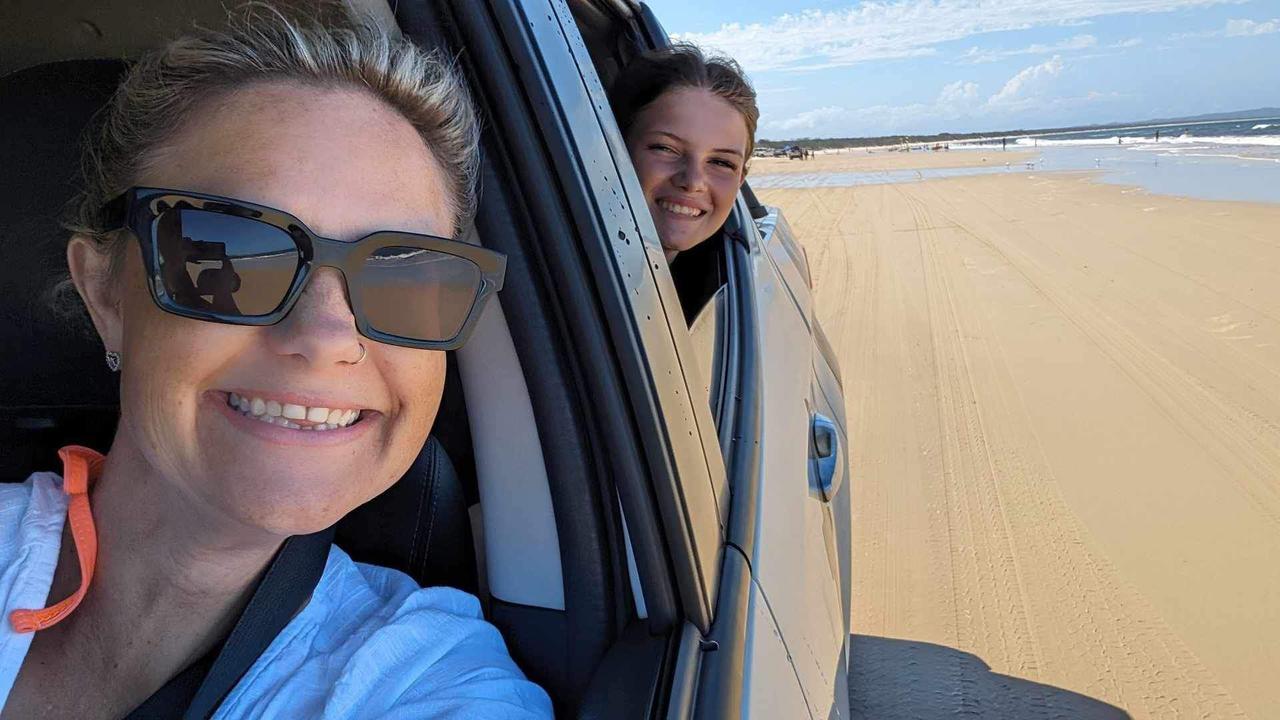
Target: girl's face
x,y
345,165
689,149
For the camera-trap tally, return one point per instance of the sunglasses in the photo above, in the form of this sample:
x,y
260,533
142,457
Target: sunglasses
x,y
228,261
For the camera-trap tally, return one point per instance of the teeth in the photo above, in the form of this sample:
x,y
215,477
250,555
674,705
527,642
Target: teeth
x,y
679,209
284,414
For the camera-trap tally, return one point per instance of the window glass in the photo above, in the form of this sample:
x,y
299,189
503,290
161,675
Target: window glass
x,y
708,348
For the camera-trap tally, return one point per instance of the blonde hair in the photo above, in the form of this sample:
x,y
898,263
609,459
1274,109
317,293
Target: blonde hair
x,y
262,44
332,48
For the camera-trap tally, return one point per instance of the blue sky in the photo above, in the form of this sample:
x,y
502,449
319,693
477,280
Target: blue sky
x,y
828,68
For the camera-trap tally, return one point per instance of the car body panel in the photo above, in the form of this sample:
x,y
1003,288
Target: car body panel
x,y
771,687
827,393
632,258
792,558
789,260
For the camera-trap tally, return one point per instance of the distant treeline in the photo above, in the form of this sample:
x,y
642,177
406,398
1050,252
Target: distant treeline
x,y
833,143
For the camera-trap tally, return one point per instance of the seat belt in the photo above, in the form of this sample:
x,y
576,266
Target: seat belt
x,y
286,586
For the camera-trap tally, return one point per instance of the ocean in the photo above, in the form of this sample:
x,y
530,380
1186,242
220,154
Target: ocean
x,y
1219,160
1254,138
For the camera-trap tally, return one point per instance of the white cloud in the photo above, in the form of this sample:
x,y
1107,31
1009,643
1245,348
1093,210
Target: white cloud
x,y
808,120
1079,42
1235,28
1026,81
1131,42
955,100
815,39
958,103
959,94
1239,28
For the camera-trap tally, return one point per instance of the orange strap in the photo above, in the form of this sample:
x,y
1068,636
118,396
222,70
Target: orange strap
x,y
80,467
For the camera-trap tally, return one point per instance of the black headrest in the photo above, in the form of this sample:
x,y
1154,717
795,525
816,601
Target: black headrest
x,y
53,381
420,525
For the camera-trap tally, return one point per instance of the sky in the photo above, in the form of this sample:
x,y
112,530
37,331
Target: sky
x,y
832,68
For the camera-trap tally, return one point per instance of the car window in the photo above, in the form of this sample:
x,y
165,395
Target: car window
x,y
708,347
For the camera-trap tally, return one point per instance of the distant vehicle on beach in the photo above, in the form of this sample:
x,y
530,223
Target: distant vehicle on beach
x,y
622,488
795,152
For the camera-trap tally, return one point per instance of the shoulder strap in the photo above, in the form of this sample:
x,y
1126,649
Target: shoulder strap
x,y
283,590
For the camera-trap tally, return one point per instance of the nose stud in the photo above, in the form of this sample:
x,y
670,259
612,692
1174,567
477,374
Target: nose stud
x,y
363,352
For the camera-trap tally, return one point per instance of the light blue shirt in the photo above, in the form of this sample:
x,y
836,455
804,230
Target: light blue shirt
x,y
369,644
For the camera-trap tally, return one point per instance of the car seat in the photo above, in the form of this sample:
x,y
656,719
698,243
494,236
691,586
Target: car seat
x,y
55,388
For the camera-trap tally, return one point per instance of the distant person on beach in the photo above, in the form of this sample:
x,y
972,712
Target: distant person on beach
x,y
689,122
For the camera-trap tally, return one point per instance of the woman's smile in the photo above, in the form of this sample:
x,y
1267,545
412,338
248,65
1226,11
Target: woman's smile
x,y
292,415
295,428
680,209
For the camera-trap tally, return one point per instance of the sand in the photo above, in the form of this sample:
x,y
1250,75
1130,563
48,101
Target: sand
x,y
884,160
1064,401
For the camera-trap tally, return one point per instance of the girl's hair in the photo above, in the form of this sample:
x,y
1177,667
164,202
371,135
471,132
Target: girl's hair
x,y
679,66
332,49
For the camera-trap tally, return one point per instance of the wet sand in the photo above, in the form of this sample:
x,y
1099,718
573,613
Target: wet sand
x,y
858,160
1064,401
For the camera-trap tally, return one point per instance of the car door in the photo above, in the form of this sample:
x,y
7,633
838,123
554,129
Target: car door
x,y
738,655
830,464
795,557
798,548
798,370
783,433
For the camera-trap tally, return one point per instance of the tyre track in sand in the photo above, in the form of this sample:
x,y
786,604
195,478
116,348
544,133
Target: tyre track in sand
x,y
981,514
1127,655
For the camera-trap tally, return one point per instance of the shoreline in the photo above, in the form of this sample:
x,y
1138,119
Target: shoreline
x,y
862,160
1218,177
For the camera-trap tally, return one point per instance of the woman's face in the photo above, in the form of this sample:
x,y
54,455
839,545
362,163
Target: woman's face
x,y
345,165
689,149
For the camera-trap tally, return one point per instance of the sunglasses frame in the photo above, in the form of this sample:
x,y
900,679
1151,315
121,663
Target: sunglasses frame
x,y
138,208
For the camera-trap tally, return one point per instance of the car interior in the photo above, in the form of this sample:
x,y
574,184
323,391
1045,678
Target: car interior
x,y
510,496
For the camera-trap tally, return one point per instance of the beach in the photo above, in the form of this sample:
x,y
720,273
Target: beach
x,y
1064,408
862,160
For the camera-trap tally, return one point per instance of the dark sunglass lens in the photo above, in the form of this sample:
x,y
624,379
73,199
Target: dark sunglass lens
x,y
225,264
418,294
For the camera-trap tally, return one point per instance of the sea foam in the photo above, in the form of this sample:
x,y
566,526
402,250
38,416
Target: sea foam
x,y
1268,140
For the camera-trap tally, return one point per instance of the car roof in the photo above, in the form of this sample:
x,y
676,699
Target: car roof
x,y
85,29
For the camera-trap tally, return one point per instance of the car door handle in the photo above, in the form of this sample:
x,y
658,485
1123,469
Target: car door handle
x,y
827,462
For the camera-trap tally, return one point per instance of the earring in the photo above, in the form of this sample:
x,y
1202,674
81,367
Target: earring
x,y
113,361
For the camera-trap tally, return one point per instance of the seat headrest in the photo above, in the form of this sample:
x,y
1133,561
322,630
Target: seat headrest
x,y
43,114
52,375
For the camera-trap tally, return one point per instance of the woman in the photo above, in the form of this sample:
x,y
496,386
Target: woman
x,y
689,122
262,396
